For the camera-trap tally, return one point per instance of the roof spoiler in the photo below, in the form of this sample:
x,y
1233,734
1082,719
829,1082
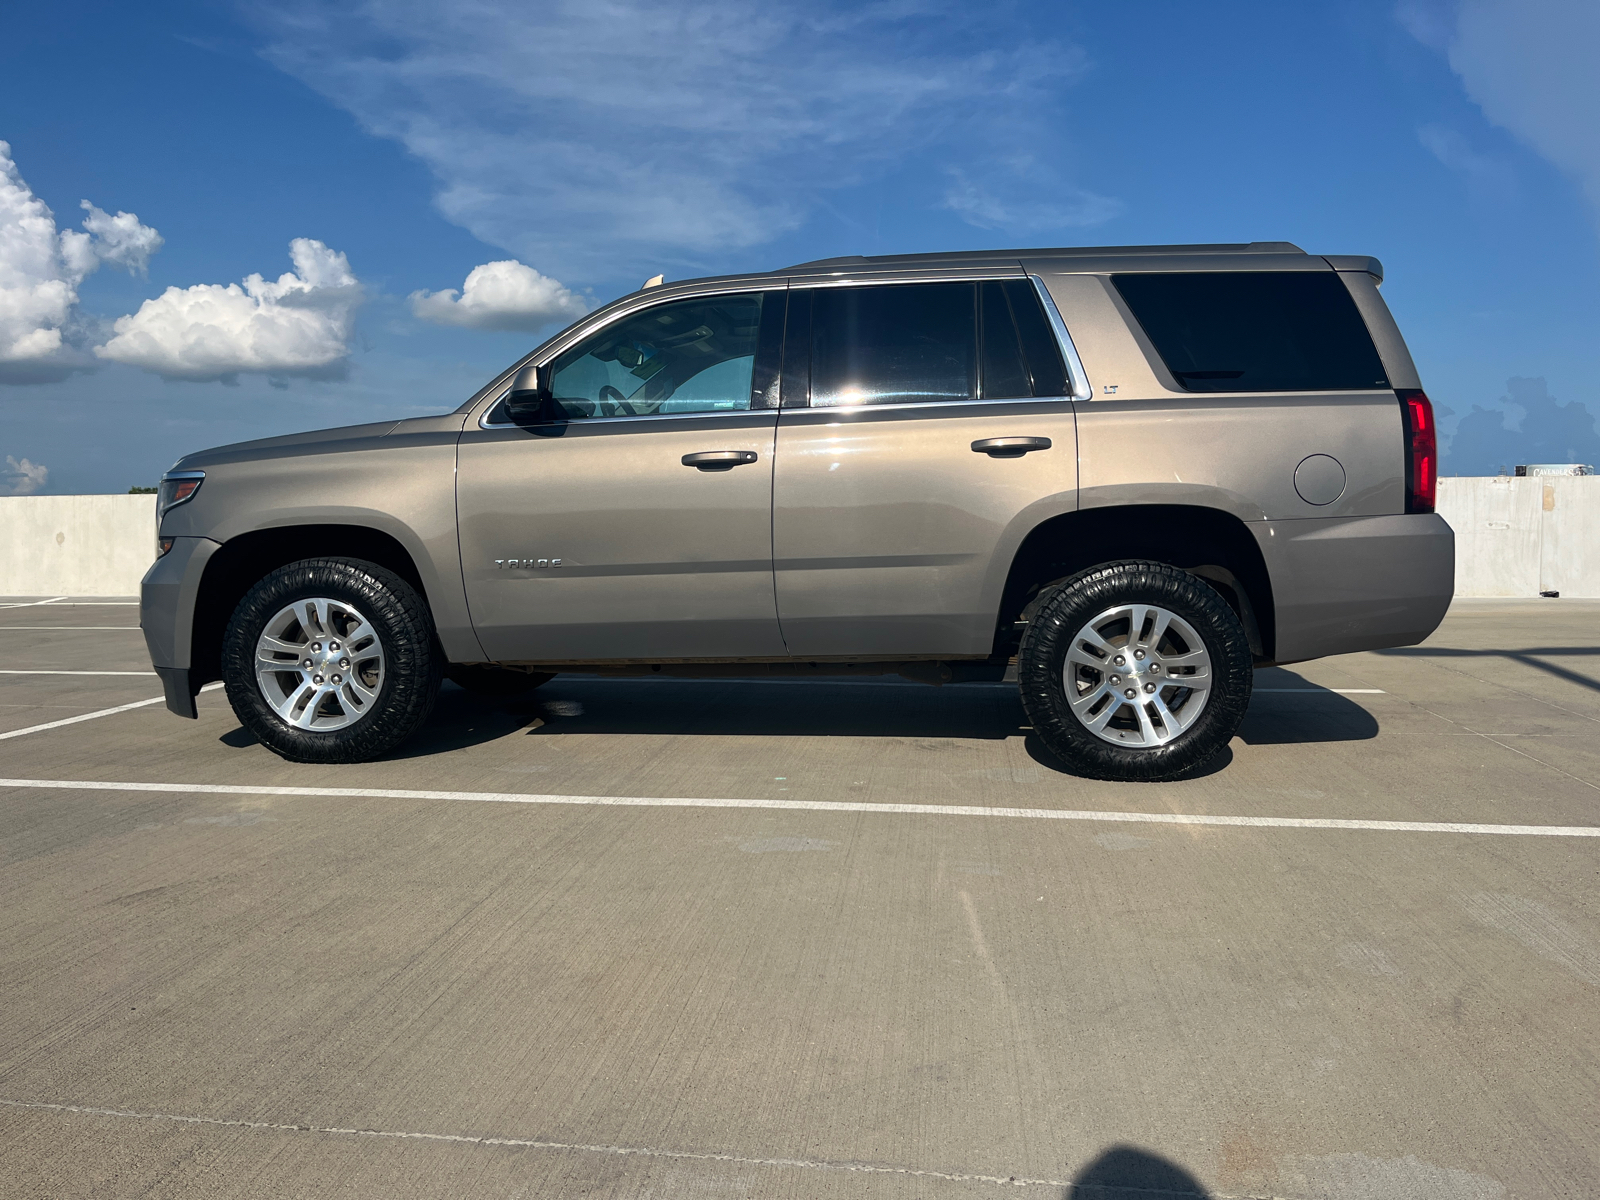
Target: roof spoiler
x,y
1356,262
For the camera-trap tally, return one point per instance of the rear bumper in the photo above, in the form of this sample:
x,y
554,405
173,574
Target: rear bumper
x,y
1344,584
166,615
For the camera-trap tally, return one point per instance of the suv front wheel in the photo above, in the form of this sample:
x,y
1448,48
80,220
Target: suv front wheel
x,y
1134,671
331,660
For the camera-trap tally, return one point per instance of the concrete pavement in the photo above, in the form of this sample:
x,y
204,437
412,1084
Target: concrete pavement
x,y
283,995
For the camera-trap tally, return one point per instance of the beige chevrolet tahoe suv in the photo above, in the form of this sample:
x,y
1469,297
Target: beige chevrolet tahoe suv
x,y
1122,477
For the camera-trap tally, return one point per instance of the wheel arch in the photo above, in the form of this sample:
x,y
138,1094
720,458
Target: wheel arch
x,y
244,560
1208,542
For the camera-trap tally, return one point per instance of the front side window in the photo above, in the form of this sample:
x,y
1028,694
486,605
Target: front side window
x,y
1255,331
904,343
686,356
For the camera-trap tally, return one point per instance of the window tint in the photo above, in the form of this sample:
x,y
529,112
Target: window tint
x,y
1005,376
895,344
1038,340
687,356
1258,331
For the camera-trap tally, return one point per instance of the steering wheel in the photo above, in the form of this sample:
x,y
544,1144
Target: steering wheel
x,y
617,399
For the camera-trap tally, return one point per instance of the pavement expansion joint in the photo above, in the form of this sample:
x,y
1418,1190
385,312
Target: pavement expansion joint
x,y
810,1164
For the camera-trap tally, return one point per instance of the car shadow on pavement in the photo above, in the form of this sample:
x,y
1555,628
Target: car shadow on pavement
x,y
1289,710
1040,753
458,721
750,708
1128,1173
573,704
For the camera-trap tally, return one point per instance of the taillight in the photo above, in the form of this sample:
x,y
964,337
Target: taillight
x,y
1422,451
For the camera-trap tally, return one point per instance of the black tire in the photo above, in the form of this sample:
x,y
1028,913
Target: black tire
x,y
1063,612
495,683
404,626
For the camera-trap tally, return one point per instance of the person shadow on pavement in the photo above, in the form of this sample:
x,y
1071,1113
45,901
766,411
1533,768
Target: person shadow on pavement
x,y
1128,1173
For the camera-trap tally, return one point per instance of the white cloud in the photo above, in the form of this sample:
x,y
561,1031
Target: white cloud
x,y
1488,175
1063,206
40,270
1529,64
1429,21
121,240
22,478
501,295
633,136
298,325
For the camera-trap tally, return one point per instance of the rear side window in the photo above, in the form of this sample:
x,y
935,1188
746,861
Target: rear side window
x,y
1005,374
1039,343
901,343
1255,331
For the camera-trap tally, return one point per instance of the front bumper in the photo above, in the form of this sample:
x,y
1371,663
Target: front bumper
x,y
1343,584
167,598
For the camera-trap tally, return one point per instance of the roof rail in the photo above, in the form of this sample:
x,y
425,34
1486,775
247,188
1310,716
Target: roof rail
x,y
1052,252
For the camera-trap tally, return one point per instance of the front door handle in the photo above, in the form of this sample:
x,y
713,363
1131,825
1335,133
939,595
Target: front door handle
x,y
719,460
1009,447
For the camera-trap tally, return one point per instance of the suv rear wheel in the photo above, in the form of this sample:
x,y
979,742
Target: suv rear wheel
x,y
331,660
1134,671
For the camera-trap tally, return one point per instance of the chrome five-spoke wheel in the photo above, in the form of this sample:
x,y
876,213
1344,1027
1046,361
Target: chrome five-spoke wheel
x,y
319,664
1137,675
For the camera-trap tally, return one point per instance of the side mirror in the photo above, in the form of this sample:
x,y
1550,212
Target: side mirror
x,y
528,402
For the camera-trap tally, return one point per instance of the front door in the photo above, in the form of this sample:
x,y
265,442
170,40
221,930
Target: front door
x,y
635,522
939,430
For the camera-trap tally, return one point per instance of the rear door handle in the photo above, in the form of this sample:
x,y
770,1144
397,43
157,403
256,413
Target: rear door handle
x,y
1009,447
719,460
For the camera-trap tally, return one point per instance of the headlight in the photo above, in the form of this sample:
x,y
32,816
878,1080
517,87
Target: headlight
x,y
176,487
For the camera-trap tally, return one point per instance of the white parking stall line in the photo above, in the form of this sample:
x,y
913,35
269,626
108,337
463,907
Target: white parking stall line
x,y
140,674
68,602
104,712
841,806
41,628
1335,691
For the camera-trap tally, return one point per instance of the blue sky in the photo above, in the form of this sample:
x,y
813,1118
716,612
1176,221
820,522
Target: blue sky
x,y
384,151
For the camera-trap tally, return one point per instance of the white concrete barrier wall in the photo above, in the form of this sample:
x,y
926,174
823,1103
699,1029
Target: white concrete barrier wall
x,y
1520,537
1514,537
75,545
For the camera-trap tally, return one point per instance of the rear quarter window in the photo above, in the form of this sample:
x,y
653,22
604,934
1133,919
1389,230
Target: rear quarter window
x,y
1255,331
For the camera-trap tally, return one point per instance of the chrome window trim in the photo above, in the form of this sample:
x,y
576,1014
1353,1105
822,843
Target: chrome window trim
x,y
929,404
1075,372
494,406
485,423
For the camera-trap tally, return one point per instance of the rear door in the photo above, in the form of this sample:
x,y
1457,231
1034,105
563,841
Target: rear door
x,y
636,521
927,425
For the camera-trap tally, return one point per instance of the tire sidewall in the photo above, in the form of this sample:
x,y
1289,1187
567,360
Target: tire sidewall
x,y
1076,601
400,619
